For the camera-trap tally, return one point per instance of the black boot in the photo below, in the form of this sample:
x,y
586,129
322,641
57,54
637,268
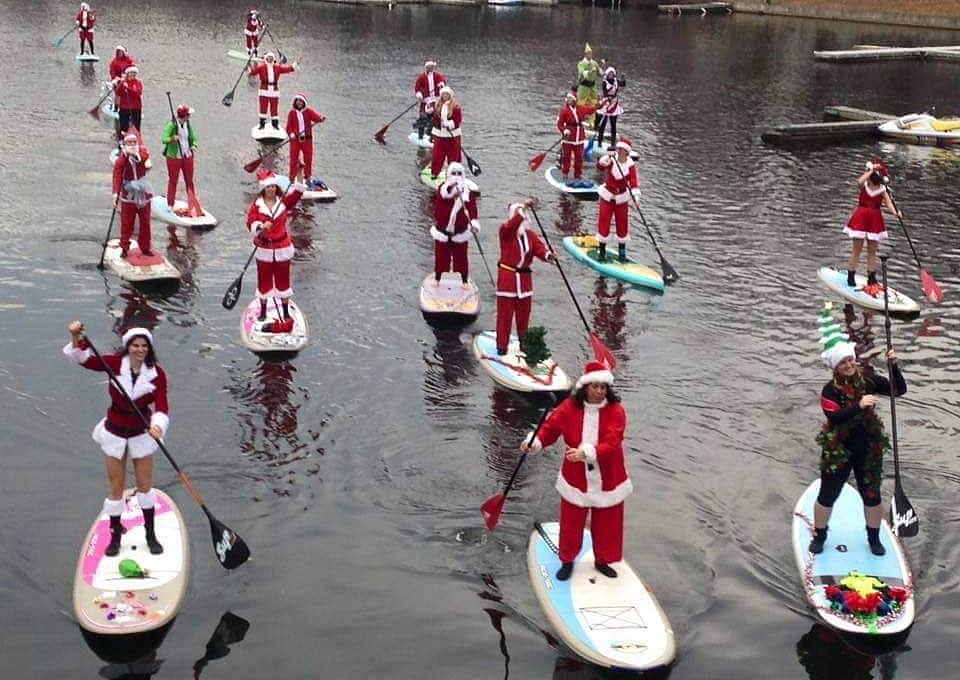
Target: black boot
x,y
152,542
871,278
622,252
263,121
873,537
605,569
563,573
603,252
116,531
816,543
851,280
263,311
276,124
285,306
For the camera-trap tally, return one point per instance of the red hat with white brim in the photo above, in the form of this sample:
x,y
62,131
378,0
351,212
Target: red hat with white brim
x,y
267,178
595,372
301,96
446,89
131,69
625,144
430,61
137,332
183,111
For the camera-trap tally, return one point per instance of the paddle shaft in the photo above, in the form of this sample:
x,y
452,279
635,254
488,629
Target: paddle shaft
x,y
556,261
103,252
95,111
535,162
400,115
228,98
893,399
485,264
266,29
516,470
254,164
904,227
64,36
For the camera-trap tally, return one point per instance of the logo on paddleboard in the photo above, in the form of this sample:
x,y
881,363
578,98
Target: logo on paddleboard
x,y
903,520
223,545
628,646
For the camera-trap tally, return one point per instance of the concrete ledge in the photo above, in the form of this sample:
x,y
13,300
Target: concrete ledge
x,y
838,14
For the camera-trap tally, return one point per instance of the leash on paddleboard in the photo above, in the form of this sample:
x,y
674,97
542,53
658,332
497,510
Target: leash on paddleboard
x,y
231,550
903,518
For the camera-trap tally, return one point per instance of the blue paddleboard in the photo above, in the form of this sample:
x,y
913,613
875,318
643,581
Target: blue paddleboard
x,y
585,249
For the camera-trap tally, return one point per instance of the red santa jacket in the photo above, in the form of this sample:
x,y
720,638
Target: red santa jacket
x,y
150,389
269,75
570,120
617,185
446,123
86,20
129,94
429,93
128,169
518,246
455,211
119,64
300,123
273,243
598,431
254,25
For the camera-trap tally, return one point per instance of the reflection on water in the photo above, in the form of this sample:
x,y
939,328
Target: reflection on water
x,y
824,656
609,312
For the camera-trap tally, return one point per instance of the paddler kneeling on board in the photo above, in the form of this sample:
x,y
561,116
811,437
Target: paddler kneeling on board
x,y
852,439
619,186
456,215
132,192
593,476
267,219
519,244
123,432
866,223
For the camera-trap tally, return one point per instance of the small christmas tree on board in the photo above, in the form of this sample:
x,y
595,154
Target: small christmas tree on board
x,y
535,346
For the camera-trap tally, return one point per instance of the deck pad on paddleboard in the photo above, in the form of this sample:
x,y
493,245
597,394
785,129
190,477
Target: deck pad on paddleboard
x,y
448,298
512,371
268,134
256,339
585,249
137,267
159,210
589,190
836,281
432,183
847,550
108,603
610,622
321,192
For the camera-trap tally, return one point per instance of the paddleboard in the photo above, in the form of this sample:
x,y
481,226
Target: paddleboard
x,y
319,192
512,371
586,249
107,110
137,267
836,281
448,299
159,210
610,622
114,155
847,551
242,56
592,152
257,340
432,183
423,142
87,57
589,191
106,602
268,134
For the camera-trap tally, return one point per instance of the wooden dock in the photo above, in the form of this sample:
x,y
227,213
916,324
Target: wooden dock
x,y
832,113
821,133
701,8
880,53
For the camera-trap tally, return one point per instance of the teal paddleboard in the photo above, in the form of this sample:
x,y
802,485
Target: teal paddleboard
x,y
585,249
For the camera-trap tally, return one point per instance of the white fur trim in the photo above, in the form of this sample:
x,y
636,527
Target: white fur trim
x,y
139,447
605,377
134,332
75,354
113,508
869,235
275,254
144,384
446,89
162,419
833,356
593,499
475,223
873,193
147,500
273,94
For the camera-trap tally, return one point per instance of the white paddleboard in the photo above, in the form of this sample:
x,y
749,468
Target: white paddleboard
x,y
589,191
321,192
610,622
846,551
423,142
114,155
87,57
836,281
243,56
512,371
137,267
257,340
107,603
268,134
108,111
159,210
448,299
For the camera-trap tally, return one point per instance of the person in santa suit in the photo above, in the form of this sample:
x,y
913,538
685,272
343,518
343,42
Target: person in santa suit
x,y
610,108
866,223
122,433
300,121
456,214
119,63
253,30
618,186
593,476
179,148
86,19
132,192
267,220
570,124
269,74
129,98
519,244
426,89
447,118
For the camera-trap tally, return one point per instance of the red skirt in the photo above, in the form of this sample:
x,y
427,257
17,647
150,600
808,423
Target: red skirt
x,y
866,223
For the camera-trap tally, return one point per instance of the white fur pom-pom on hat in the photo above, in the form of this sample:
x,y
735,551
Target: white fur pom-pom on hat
x,y
137,332
595,372
513,209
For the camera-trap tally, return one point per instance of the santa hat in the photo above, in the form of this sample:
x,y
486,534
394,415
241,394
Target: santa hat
x,y
121,48
513,209
571,95
131,137
253,10
836,343
454,167
446,89
609,70
587,49
595,372
429,61
300,95
270,55
137,333
133,68
878,165
267,178
625,144
183,111
84,6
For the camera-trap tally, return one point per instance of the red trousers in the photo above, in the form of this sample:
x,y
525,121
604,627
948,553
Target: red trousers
x,y
253,41
174,166
445,149
509,308
273,103
273,274
606,527
304,149
129,211
446,251
568,152
609,210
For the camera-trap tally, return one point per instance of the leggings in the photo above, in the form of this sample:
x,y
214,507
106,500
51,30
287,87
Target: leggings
x,y
831,482
127,118
602,127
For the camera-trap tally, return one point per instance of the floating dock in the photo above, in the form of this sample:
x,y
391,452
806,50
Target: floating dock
x,y
850,113
701,8
880,53
847,124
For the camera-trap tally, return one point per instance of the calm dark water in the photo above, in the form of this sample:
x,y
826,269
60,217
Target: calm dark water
x,y
356,470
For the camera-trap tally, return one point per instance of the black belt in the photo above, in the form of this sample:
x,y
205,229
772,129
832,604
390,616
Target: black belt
x,y
268,241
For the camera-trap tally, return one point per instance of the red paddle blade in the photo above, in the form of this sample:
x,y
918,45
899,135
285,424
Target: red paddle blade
x,y
492,509
931,289
537,161
602,354
379,135
95,112
252,165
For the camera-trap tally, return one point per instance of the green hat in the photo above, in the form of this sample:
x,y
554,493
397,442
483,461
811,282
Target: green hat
x,y
836,343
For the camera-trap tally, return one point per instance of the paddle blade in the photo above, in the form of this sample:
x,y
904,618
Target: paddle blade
x,y
253,165
475,169
233,294
670,275
379,135
931,289
231,550
492,509
537,161
602,353
95,112
58,42
903,519
228,98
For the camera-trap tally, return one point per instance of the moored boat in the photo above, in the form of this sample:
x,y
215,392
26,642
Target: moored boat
x,y
923,129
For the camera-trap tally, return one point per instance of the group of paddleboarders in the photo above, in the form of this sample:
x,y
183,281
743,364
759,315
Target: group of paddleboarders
x,y
441,114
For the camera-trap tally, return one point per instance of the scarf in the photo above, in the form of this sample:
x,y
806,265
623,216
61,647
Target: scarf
x,y
832,438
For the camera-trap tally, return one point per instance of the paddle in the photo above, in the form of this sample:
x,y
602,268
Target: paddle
x,y
670,275
600,350
113,215
378,135
233,292
255,163
95,111
484,258
492,508
231,550
931,289
230,630
535,162
228,97
596,136
59,41
280,54
903,519
475,169
193,205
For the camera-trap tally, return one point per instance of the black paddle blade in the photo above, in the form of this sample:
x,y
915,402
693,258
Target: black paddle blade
x,y
231,550
473,165
228,98
903,519
232,295
670,275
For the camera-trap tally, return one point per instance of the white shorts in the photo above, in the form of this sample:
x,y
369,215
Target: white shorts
x,y
141,446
